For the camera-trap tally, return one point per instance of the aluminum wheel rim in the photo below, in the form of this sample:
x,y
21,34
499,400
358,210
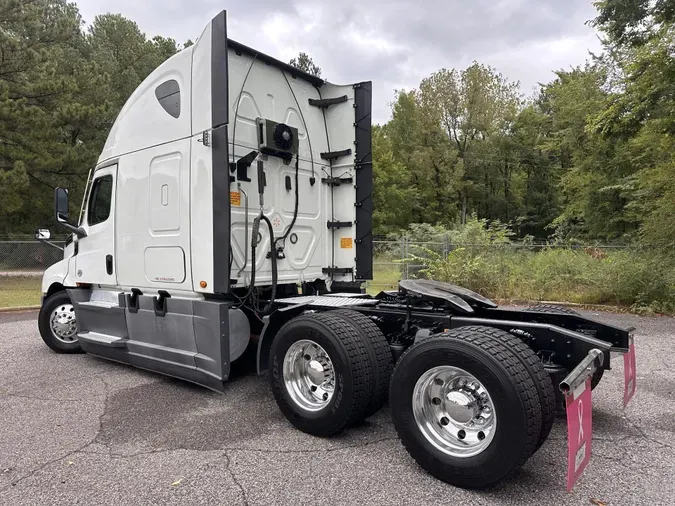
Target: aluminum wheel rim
x,y
64,324
309,375
454,411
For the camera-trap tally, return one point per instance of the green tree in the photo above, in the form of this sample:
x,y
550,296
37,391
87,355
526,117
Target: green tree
x,y
633,22
433,166
306,64
394,197
36,142
474,106
60,91
639,120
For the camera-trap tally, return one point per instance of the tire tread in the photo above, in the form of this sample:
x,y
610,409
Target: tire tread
x,y
541,379
380,354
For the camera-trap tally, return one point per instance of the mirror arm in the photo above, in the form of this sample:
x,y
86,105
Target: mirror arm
x,y
53,245
78,231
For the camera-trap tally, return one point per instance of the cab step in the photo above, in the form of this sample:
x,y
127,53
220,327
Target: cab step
x,y
102,339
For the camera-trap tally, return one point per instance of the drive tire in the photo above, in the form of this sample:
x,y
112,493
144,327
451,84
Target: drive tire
x,y
379,352
51,304
514,397
552,308
353,375
541,379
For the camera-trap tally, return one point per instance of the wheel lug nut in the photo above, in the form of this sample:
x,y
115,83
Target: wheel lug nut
x,y
461,434
435,401
325,396
445,421
438,381
312,388
481,435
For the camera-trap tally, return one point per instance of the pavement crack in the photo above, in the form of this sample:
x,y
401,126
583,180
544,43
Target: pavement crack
x,y
104,411
80,449
36,398
228,461
644,435
321,450
43,466
232,448
135,454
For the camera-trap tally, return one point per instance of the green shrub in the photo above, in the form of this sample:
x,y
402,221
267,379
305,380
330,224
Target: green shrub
x,y
492,265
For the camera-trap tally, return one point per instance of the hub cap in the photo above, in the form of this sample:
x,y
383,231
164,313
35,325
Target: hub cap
x,y
454,411
63,324
308,375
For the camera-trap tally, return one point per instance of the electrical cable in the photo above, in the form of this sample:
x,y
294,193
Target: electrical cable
x,y
236,110
242,300
297,201
273,257
297,163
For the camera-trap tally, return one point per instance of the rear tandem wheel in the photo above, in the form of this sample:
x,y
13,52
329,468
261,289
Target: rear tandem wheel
x,y
466,407
321,373
379,352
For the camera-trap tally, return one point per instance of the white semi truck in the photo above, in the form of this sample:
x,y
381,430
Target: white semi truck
x,y
231,209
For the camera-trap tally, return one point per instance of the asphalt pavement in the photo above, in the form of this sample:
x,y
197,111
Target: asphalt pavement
x,y
79,430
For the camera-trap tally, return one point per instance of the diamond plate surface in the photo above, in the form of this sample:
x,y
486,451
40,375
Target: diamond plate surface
x,y
324,301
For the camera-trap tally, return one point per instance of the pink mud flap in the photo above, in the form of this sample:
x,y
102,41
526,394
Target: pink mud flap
x,y
579,428
629,372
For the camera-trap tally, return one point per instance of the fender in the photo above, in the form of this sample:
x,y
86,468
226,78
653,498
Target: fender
x,y
57,275
459,298
272,325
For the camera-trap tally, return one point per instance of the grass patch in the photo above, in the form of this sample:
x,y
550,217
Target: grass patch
x,y
641,279
386,276
20,291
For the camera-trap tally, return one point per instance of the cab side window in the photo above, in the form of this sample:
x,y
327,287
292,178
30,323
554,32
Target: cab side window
x,y
99,200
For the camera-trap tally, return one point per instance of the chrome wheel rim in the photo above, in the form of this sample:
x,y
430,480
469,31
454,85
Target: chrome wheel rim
x,y
64,324
454,411
309,375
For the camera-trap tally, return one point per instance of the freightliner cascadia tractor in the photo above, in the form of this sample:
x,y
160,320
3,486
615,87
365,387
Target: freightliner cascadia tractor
x,y
231,210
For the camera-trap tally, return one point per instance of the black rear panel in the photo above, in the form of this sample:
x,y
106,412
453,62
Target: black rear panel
x,y
221,174
363,93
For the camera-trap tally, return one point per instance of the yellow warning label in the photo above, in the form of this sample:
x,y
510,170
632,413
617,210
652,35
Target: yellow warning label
x,y
235,198
346,243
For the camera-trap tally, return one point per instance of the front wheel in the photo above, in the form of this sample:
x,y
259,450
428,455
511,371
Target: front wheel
x,y
58,325
467,411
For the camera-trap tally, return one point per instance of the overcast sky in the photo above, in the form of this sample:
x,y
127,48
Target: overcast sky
x,y
394,43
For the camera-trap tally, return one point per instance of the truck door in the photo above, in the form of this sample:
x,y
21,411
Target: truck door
x,y
95,260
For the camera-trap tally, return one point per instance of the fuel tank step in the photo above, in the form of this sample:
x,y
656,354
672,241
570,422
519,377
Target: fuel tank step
x,y
102,339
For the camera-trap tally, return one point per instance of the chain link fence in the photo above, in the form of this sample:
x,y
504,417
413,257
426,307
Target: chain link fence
x,y
401,259
23,260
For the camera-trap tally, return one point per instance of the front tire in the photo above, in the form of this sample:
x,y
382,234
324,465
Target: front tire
x,y
465,407
58,325
321,374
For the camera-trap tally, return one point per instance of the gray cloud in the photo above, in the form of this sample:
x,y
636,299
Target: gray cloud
x,y
394,43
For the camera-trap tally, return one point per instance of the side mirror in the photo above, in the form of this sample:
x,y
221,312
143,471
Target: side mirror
x,y
43,234
61,211
61,204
